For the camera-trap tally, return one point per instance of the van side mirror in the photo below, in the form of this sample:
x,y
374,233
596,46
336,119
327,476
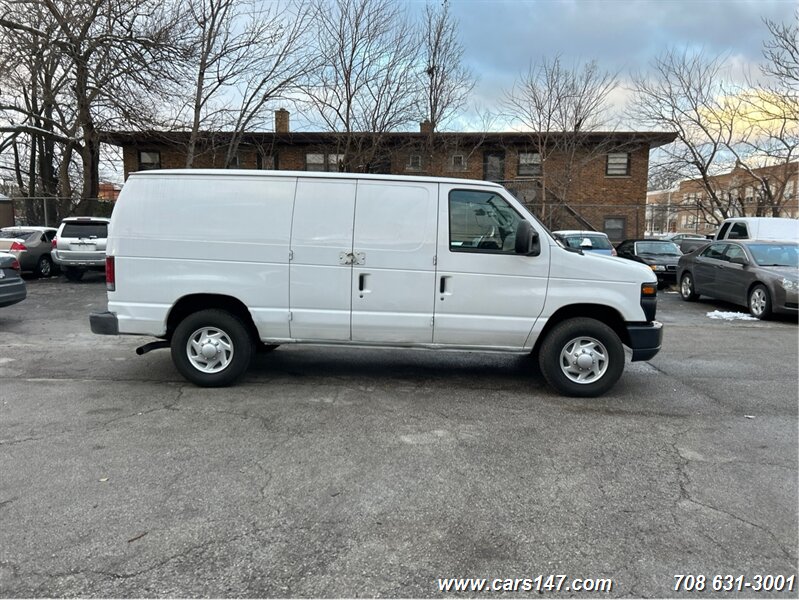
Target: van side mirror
x,y
527,242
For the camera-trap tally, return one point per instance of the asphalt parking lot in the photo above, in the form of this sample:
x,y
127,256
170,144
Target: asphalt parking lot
x,y
351,472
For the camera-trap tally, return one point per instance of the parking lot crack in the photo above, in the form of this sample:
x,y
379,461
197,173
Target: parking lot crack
x,y
684,481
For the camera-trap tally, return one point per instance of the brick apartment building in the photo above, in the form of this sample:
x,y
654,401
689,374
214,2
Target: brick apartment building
x,y
687,209
607,172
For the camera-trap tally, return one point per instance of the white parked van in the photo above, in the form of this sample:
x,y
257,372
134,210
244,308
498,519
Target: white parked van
x,y
214,262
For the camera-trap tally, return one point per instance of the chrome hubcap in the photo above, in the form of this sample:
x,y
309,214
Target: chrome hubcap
x,y
758,301
686,286
209,349
44,267
584,360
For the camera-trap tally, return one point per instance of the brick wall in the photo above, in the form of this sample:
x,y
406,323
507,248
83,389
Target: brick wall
x,y
593,194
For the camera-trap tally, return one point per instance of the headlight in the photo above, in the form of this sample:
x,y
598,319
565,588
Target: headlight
x,y
658,267
789,284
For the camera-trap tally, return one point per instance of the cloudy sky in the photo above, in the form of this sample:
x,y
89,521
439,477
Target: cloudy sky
x,y
501,37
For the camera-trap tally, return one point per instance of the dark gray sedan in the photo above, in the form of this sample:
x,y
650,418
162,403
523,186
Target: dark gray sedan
x,y
762,275
12,287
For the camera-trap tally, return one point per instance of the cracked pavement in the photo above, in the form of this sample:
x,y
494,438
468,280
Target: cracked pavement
x,y
354,472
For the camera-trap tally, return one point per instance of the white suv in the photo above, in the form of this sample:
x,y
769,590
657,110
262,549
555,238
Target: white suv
x,y
79,245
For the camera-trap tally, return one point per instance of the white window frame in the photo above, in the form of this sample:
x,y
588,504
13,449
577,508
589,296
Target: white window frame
x,y
531,161
613,162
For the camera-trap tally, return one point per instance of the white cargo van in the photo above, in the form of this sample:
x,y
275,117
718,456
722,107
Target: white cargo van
x,y
215,262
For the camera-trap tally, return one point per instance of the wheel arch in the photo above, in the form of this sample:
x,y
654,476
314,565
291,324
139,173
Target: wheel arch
x,y
192,303
600,312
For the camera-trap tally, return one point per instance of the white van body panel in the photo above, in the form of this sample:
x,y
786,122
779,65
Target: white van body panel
x,y
344,258
488,299
764,228
394,269
187,236
320,299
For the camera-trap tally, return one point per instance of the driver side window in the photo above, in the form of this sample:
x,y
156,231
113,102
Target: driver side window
x,y
715,251
481,222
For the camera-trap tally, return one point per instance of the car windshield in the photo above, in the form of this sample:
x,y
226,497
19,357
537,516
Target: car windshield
x,y
19,233
663,248
598,242
775,255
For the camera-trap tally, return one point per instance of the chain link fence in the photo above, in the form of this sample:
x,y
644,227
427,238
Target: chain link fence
x,y
49,212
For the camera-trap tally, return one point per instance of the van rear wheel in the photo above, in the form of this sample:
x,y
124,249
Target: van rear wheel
x,y
581,357
212,348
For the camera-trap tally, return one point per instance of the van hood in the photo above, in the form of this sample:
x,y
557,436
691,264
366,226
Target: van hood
x,y
598,267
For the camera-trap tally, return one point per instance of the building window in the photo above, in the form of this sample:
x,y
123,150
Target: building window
x,y
615,227
618,164
458,162
414,162
494,166
530,164
267,162
323,162
149,159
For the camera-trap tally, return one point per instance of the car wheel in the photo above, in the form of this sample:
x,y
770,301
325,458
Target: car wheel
x,y
687,291
212,348
581,357
760,302
44,266
73,274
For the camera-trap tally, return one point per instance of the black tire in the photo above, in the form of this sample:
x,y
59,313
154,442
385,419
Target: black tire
x,y
264,348
759,302
233,334
44,266
600,376
687,289
73,274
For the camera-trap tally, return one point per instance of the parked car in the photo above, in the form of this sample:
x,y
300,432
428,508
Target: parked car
x,y
590,241
31,246
235,258
679,237
760,274
749,228
661,256
12,286
79,245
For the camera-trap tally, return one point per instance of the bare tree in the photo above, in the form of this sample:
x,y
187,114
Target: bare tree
x,y
748,131
446,83
560,108
687,93
367,85
246,55
110,55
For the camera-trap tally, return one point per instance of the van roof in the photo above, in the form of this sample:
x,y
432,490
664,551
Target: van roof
x,y
310,174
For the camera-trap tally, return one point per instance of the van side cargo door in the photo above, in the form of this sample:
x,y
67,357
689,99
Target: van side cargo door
x,y
394,261
320,272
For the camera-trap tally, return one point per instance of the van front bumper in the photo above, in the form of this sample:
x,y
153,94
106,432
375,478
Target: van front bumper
x,y
104,323
645,339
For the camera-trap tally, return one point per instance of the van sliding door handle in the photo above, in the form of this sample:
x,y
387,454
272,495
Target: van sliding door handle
x,y
442,286
361,281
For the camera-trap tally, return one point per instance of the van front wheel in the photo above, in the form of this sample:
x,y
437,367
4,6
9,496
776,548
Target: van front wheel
x,y
581,357
212,348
